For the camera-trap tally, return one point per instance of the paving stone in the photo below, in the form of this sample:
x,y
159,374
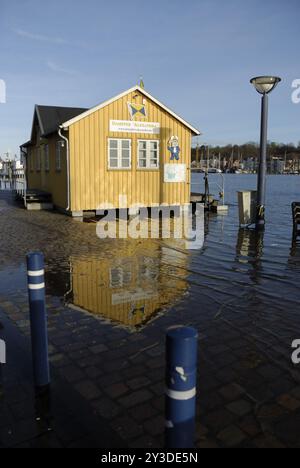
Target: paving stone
x,y
127,428
282,385
201,432
79,355
158,389
208,383
145,441
231,436
250,426
72,374
143,412
296,392
100,348
133,371
89,361
231,392
117,365
109,379
270,411
289,402
155,426
260,394
269,372
287,429
106,408
88,390
69,431
219,419
159,403
209,401
267,441
155,363
21,411
138,382
135,398
93,372
116,390
240,407
156,351
207,444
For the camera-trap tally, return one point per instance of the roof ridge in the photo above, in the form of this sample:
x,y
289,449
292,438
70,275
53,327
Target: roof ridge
x,y
65,125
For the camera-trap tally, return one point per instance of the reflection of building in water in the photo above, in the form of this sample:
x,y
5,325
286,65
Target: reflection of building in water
x,y
294,259
131,287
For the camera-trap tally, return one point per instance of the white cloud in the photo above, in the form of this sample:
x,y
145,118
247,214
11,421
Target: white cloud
x,y
58,69
40,37
49,39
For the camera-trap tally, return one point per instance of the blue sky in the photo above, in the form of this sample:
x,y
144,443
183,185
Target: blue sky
x,y
196,56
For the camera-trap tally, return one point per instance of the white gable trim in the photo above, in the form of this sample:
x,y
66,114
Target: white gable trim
x,y
67,124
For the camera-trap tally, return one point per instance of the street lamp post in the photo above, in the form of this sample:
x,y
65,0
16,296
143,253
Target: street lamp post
x,y
263,85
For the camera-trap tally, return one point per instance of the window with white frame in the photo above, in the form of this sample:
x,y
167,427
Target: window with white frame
x,y
119,153
46,158
120,277
38,159
148,154
58,155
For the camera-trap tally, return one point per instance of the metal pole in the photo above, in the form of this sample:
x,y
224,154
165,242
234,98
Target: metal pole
x,y
181,377
262,170
38,319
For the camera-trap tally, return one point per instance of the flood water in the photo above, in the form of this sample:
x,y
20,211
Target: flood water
x,y
134,281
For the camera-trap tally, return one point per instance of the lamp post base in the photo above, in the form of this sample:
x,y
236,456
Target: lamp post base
x,y
260,218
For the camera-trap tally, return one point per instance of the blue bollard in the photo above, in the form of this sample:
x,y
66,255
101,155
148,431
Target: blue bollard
x,y
181,379
38,318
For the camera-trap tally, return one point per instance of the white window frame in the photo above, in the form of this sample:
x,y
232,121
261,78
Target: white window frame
x,y
120,277
58,154
119,150
148,155
46,158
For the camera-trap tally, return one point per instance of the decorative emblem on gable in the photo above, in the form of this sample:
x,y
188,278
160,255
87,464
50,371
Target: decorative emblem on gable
x,y
137,110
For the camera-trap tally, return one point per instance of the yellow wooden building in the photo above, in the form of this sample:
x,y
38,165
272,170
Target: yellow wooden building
x,y
129,150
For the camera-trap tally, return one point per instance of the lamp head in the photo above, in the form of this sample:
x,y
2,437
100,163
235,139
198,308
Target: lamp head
x,y
265,84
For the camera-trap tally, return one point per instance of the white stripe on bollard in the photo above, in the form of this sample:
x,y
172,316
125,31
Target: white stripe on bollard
x,y
35,287
185,395
36,273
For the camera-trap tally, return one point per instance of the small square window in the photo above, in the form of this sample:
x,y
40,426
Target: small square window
x,y
119,154
148,151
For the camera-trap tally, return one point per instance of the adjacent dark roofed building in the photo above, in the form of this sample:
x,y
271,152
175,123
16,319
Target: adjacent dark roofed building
x,y
51,117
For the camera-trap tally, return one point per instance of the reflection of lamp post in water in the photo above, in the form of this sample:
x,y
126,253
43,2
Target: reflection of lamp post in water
x,y
250,249
263,85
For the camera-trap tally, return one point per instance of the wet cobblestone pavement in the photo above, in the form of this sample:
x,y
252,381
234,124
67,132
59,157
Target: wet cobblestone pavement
x,y
241,293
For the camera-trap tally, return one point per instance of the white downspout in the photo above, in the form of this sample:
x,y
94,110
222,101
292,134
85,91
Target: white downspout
x,y
25,155
68,164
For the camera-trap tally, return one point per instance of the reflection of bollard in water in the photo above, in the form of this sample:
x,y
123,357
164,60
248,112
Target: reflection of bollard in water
x,y
38,318
2,352
181,377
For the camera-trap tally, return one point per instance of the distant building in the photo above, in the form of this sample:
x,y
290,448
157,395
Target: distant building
x,y
249,165
276,165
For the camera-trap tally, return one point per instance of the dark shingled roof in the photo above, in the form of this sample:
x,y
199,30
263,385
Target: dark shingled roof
x,y
51,117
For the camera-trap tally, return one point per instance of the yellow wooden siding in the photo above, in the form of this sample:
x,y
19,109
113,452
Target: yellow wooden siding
x,y
93,184
52,181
